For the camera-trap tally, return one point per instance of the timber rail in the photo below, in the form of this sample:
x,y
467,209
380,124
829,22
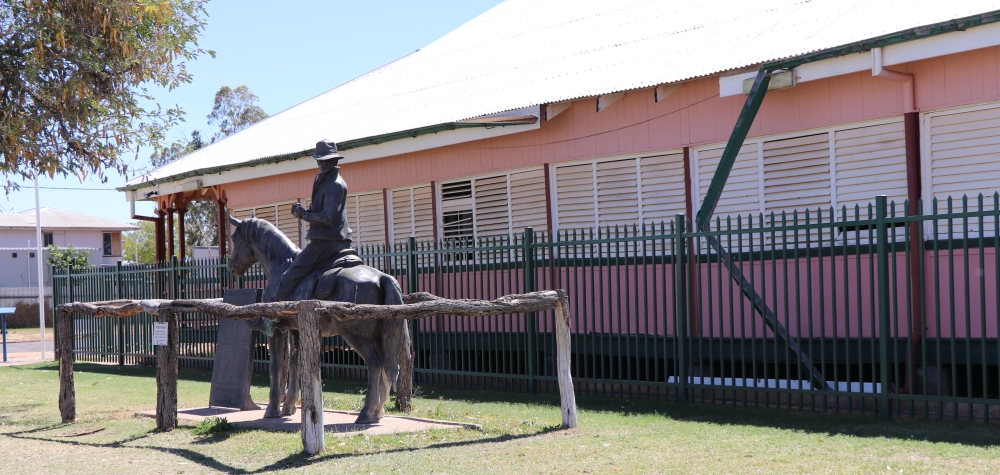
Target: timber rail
x,y
307,315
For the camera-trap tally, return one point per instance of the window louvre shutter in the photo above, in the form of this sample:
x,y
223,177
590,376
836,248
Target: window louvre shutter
x,y
870,161
457,222
662,180
370,226
527,200
491,206
402,217
287,223
964,150
741,195
267,213
242,214
617,193
797,175
423,216
575,196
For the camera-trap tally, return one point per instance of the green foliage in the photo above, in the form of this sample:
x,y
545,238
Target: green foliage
x,y
212,425
63,257
234,110
145,239
74,79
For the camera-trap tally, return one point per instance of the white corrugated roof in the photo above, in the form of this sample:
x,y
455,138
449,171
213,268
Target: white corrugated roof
x,y
528,52
60,219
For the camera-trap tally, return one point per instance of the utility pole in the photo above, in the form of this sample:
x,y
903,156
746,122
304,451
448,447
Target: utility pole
x,y
41,269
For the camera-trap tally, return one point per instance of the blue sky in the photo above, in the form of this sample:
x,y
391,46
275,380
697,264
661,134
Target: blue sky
x,y
286,53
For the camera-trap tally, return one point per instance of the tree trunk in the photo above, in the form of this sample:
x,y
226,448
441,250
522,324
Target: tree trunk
x,y
166,375
404,382
67,391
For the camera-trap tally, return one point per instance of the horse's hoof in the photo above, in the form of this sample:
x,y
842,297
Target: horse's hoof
x,y
363,419
288,412
271,414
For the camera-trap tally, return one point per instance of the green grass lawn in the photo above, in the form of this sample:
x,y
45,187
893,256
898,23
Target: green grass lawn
x,y
519,435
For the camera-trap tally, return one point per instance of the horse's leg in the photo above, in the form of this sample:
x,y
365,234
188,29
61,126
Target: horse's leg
x,y
373,395
386,387
292,394
278,347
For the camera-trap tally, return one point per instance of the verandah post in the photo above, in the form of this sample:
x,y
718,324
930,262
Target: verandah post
x,y
530,319
883,303
174,279
681,306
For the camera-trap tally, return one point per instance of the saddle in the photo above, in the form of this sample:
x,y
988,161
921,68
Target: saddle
x,y
332,268
342,260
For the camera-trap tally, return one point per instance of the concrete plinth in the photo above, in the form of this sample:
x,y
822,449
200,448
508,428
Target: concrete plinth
x,y
336,422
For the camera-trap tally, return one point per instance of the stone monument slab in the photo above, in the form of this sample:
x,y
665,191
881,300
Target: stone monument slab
x,y
233,365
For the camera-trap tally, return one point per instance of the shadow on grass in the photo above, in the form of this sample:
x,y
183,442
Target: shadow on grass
x,y
291,461
828,424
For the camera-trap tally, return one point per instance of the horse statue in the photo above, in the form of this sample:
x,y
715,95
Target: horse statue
x,y
379,342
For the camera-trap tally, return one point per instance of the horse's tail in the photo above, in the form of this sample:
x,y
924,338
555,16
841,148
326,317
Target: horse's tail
x,y
395,333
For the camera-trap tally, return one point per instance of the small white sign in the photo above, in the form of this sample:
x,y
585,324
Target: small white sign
x,y
159,334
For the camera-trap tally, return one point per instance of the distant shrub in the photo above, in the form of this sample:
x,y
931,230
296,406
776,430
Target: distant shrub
x,y
63,257
26,316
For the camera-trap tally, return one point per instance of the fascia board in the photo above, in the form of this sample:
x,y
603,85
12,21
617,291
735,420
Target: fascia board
x,y
369,152
426,142
950,43
957,42
733,85
833,67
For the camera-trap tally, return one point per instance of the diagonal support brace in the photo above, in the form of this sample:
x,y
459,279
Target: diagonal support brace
x,y
770,319
726,162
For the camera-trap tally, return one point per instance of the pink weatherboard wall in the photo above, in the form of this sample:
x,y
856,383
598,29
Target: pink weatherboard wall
x,y
693,115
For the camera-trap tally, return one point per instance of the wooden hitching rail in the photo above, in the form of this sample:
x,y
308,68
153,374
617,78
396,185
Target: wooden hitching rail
x,y
307,314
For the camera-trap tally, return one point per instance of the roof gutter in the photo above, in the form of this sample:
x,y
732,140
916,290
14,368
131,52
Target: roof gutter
x,y
341,146
756,97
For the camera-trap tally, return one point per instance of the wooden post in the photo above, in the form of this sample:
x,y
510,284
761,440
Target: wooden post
x,y
567,398
166,375
67,391
404,381
310,378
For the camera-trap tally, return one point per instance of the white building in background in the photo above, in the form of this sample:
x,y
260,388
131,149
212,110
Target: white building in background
x,y
18,267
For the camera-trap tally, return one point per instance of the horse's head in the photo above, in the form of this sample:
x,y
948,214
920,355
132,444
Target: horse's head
x,y
242,256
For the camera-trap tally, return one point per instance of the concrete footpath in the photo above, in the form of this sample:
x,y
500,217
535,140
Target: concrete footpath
x,y
334,422
27,353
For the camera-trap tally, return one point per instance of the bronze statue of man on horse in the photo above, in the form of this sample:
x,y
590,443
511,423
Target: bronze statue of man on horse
x,y
327,269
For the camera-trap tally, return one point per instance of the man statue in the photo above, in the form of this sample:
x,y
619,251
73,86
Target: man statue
x,y
328,233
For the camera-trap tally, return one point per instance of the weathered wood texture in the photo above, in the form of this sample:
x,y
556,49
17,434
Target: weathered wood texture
x,y
166,375
310,343
404,381
308,313
567,398
425,305
67,390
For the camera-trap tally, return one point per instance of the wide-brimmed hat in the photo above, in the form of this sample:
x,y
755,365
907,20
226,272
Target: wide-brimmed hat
x,y
326,150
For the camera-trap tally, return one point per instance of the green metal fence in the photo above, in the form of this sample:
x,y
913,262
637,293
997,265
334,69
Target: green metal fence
x,y
828,310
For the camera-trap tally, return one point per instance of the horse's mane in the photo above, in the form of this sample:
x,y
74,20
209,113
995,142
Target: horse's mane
x,y
263,233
